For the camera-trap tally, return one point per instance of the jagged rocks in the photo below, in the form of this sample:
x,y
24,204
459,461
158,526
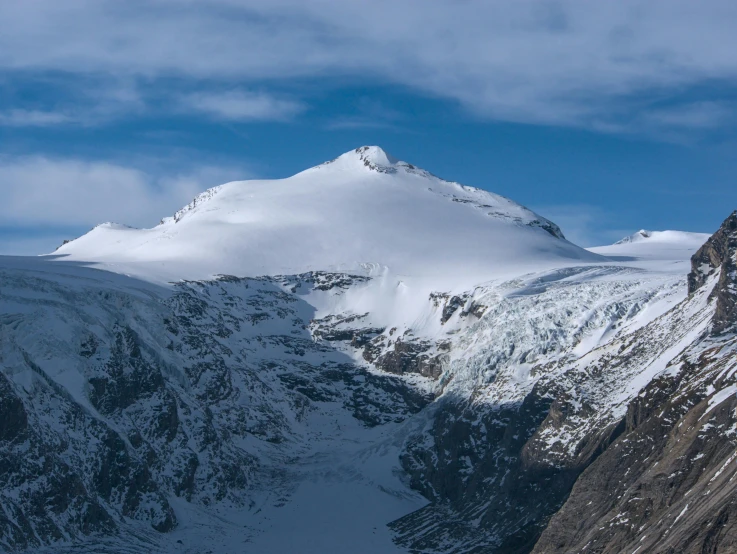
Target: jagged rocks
x,y
406,355
490,475
452,303
449,303
665,486
126,377
725,315
319,280
719,253
712,254
341,328
398,355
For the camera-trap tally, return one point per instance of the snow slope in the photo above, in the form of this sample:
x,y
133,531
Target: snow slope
x,y
660,251
363,209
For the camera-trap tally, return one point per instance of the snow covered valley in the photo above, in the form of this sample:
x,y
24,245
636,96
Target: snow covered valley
x,y
367,358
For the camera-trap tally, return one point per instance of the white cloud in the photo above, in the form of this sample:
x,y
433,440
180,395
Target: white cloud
x,y
75,100
44,243
567,62
32,118
696,115
46,191
242,106
368,113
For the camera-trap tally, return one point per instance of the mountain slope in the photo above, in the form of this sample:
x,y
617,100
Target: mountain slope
x,y
656,250
389,348
668,483
142,418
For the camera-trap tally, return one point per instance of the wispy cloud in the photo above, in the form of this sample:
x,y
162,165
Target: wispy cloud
x,y
66,99
368,113
694,115
242,106
47,191
32,118
359,122
35,241
556,62
584,224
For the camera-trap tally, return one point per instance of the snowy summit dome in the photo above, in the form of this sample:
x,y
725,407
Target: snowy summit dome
x,y
373,158
364,208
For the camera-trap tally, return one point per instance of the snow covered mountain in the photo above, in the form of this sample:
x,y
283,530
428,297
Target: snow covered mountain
x,y
360,210
658,247
366,358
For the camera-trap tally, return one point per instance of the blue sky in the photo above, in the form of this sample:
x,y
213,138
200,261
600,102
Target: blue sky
x,y
606,117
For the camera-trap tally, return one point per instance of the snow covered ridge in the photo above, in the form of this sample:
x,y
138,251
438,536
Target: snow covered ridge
x,y
362,208
663,237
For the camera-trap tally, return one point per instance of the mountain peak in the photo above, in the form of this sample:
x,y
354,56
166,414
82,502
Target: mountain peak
x,y
374,155
636,237
373,158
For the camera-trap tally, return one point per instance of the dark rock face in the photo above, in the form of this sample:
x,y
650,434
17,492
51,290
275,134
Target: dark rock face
x,y
725,317
452,303
319,280
550,227
712,254
398,355
13,417
342,329
487,472
470,484
126,377
666,485
407,356
719,252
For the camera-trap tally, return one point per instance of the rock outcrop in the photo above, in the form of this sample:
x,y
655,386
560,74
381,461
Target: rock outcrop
x,y
719,254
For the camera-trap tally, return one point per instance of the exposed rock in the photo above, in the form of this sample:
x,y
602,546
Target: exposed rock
x,y
719,253
489,475
319,280
713,254
406,355
666,485
13,417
